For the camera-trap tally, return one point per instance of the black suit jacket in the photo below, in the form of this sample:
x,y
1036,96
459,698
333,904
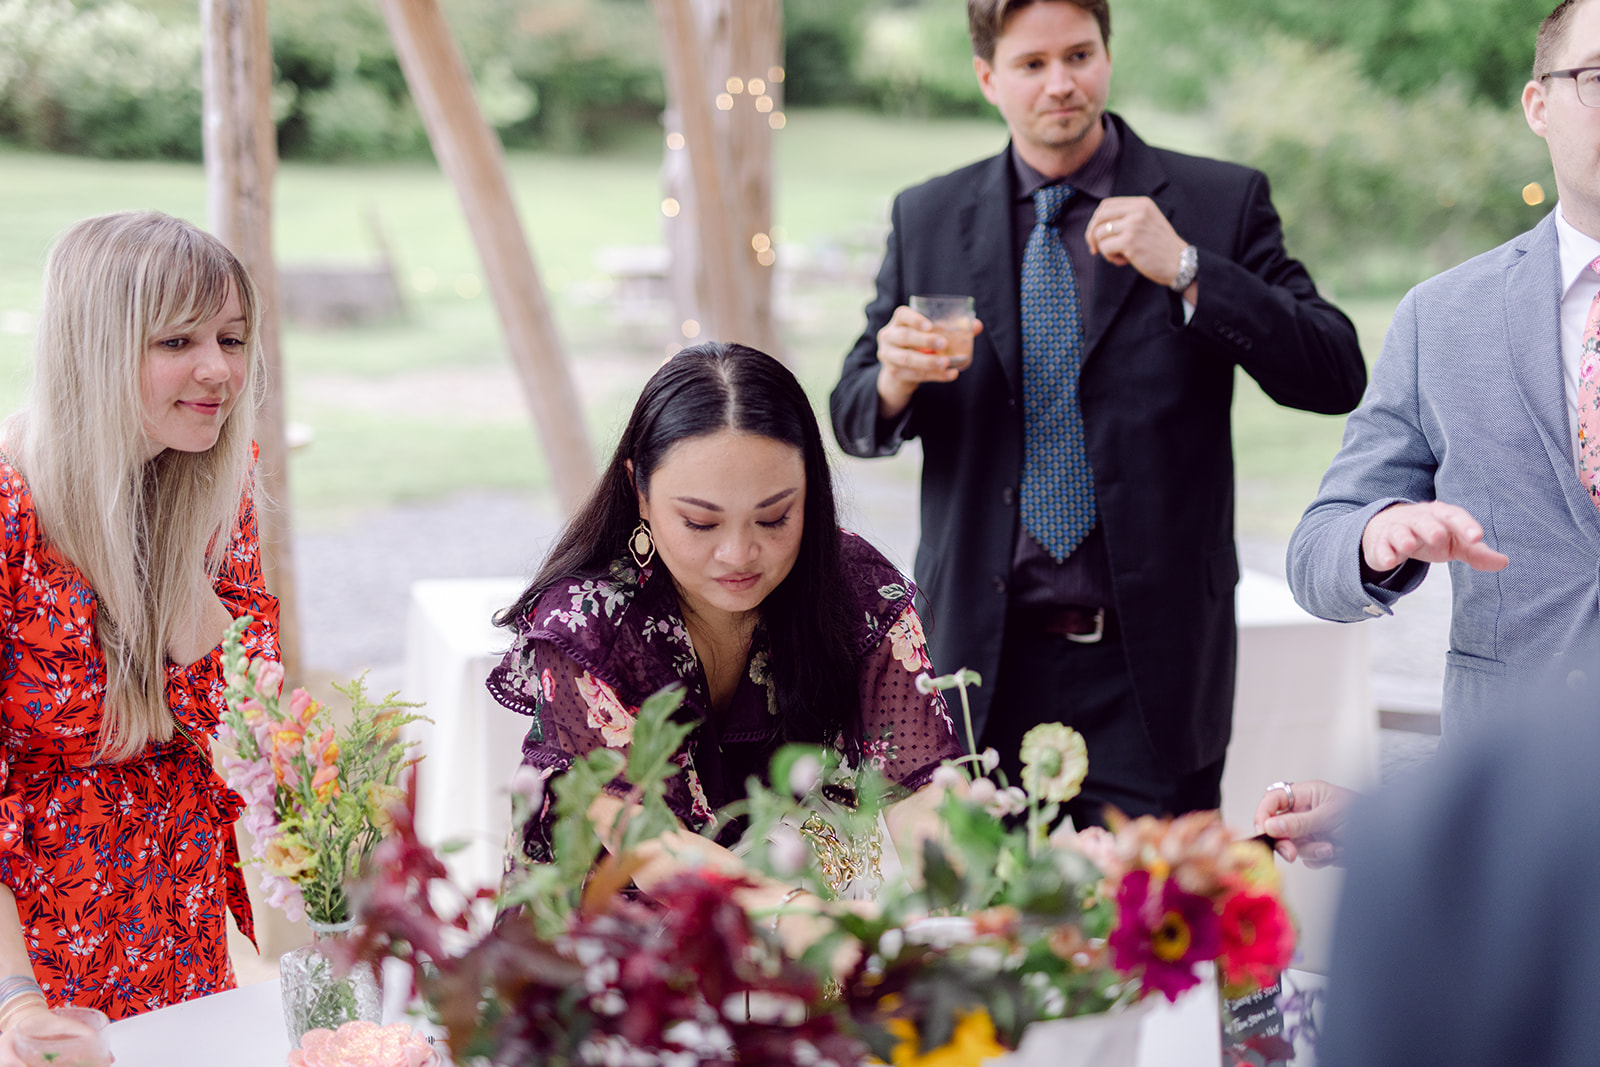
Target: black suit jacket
x,y
1156,396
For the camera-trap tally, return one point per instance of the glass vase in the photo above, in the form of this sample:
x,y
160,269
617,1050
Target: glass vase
x,y
316,996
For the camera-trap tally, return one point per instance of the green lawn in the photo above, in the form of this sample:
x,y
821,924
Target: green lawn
x,y
385,430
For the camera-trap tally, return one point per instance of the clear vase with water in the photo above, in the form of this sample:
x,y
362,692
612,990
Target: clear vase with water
x,y
316,995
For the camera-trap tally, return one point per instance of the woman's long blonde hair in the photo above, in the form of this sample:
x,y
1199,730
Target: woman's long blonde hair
x,y
147,534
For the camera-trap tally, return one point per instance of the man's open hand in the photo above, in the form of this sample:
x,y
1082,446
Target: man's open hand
x,y
1433,532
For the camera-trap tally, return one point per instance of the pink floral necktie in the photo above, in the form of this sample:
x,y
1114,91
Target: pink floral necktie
x,y
1589,401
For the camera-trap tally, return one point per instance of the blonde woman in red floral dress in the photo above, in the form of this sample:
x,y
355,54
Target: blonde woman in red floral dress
x,y
128,546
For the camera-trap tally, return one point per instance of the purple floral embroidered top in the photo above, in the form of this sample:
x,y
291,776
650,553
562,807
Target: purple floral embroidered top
x,y
591,650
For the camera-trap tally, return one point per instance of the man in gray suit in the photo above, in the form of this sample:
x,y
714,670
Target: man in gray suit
x,y
1466,448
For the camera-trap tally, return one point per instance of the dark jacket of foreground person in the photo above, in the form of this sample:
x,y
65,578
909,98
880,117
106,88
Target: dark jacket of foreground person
x,y
1466,935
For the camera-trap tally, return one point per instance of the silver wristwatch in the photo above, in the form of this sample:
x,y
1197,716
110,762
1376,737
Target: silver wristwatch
x,y
1188,269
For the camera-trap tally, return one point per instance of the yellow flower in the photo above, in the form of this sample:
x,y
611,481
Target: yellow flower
x,y
287,856
1054,762
970,1046
1252,862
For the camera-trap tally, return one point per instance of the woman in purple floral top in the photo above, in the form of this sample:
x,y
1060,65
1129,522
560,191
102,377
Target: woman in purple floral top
x,y
710,555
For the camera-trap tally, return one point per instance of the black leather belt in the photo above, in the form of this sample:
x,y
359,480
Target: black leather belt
x,y
1085,626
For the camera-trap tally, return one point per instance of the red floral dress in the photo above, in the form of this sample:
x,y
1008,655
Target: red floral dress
x,y
122,871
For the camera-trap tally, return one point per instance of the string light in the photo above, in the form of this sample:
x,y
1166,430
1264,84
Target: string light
x,y
691,329
675,140
755,86
760,242
724,102
774,74
1533,194
763,104
766,257
776,120
735,85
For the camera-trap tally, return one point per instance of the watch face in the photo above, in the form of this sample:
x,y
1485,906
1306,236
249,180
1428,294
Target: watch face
x,y
1188,269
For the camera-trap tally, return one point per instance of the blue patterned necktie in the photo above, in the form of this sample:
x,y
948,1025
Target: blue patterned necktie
x,y
1057,484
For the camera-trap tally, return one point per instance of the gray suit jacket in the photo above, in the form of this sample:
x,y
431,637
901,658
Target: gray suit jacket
x,y
1466,405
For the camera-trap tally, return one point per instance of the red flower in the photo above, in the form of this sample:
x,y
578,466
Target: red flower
x,y
1257,939
1164,934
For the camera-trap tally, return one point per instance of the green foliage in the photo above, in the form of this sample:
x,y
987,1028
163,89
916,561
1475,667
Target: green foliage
x,y
341,92
553,891
822,42
111,80
1410,46
918,60
1175,51
1375,191
594,65
355,119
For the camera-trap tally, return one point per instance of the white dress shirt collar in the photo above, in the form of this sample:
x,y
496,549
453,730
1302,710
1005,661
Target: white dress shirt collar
x,y
1578,251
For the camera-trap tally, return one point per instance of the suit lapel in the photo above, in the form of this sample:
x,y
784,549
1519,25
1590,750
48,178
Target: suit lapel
x,y
986,236
1533,328
1139,173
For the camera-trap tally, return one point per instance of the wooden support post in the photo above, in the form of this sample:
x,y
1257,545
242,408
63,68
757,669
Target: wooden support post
x,y
241,151
755,57
723,242
471,156
241,160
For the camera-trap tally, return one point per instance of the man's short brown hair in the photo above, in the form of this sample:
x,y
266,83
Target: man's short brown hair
x,y
986,20
1552,35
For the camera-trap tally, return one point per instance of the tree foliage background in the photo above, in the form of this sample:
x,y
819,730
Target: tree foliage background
x,y
1390,128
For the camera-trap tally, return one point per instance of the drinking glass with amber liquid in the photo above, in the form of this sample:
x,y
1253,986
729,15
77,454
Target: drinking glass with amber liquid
x,y
952,318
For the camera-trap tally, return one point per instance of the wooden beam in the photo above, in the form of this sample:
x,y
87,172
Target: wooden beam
x,y
755,57
719,223
473,160
241,161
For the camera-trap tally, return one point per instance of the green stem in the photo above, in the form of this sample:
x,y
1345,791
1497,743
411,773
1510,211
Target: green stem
x,y
972,742
1033,827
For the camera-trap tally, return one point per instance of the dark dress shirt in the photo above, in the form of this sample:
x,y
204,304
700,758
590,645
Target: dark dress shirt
x,y
1084,577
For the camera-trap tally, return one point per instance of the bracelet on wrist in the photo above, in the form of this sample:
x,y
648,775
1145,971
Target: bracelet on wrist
x,y
18,1003
784,903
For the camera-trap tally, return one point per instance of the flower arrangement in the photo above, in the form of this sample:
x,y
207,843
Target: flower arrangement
x,y
1003,926
317,799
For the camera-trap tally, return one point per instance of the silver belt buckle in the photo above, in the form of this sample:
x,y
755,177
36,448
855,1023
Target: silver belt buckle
x,y
1094,637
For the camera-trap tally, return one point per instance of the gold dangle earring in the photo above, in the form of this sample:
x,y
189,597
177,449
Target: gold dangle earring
x,y
641,546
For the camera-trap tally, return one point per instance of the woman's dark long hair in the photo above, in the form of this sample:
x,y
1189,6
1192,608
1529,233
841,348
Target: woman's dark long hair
x,y
703,390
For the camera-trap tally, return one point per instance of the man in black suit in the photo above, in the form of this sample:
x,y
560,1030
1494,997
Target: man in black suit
x,y
1085,566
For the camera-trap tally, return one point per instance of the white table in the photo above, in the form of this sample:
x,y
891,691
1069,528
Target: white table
x,y
244,1028
472,745
1302,709
240,1028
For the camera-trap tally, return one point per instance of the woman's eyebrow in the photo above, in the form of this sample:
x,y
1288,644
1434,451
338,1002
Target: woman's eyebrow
x,y
771,500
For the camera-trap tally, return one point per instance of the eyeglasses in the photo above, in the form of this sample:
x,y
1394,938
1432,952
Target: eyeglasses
x,y
1587,81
